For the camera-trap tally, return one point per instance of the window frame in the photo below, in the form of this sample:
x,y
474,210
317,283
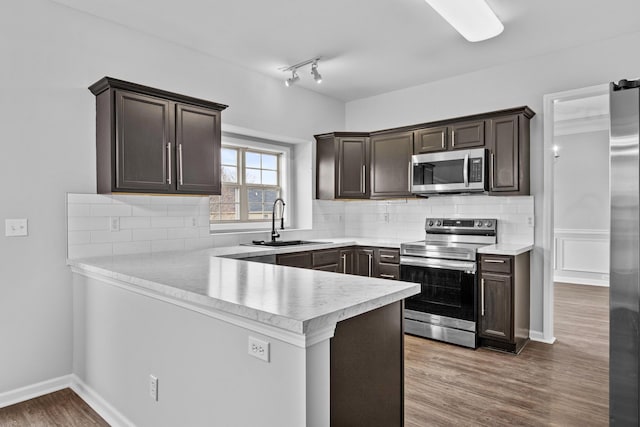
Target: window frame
x,y
282,153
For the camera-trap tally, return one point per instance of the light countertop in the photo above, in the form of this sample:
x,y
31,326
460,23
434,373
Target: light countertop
x,y
506,249
294,299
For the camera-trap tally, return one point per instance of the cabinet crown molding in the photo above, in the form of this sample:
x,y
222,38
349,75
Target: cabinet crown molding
x,y
111,83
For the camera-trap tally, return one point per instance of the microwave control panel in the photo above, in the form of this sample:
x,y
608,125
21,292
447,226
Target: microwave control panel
x,y
475,170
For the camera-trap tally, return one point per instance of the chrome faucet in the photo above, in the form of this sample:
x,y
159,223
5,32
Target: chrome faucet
x,y
274,233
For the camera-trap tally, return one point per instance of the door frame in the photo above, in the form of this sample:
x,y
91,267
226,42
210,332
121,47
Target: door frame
x,y
548,242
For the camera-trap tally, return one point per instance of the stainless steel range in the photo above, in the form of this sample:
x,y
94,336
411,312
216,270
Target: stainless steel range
x,y
445,265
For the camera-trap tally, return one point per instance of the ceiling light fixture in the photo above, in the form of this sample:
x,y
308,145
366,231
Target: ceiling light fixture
x,y
473,19
291,80
294,71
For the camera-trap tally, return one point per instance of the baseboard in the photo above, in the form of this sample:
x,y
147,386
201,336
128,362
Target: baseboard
x,y
539,337
581,280
35,390
110,414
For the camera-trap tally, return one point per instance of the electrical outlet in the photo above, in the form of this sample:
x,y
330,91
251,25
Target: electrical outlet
x,y
153,387
530,221
386,217
259,349
114,223
15,227
192,222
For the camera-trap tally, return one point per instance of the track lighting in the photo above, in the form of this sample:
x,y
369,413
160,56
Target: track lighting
x,y
314,72
291,80
294,71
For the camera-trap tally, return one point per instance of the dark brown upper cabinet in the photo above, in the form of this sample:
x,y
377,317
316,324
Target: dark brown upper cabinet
x,y
391,165
153,141
430,140
467,134
509,155
342,166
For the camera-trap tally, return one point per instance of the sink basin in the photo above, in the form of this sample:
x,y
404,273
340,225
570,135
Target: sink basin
x,y
284,243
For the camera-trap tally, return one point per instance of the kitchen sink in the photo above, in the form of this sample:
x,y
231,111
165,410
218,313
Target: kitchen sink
x,y
285,243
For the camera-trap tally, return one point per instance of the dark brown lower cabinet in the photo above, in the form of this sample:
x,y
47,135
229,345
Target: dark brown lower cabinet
x,y
503,314
367,369
296,259
363,260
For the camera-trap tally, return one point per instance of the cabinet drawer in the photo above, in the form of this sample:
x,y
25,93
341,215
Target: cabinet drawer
x,y
496,263
325,257
389,271
390,256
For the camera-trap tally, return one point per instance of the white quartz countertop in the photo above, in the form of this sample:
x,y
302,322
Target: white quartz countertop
x,y
506,249
294,299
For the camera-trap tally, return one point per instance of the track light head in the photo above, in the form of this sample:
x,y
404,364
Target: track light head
x,y
314,72
291,80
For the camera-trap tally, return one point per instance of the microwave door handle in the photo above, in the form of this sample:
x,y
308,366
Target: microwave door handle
x,y
465,170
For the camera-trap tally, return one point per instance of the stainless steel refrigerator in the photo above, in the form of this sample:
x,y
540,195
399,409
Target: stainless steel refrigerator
x,y
624,293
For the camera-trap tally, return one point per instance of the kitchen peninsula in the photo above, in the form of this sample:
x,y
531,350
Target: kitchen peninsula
x,y
194,319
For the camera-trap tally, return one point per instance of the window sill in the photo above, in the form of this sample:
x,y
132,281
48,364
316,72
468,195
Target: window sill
x,y
247,228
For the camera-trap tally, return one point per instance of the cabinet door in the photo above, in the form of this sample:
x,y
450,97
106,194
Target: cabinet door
x,y
391,164
430,140
353,168
296,259
504,168
496,302
345,265
364,262
143,157
467,135
198,149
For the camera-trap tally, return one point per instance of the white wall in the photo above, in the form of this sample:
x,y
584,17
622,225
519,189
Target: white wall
x,y
50,55
581,208
504,86
581,181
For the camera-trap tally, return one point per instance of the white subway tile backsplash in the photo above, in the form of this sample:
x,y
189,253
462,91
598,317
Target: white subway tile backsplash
x,y
78,237
134,222
111,210
92,199
130,199
189,210
151,210
167,222
183,233
110,236
80,223
150,234
78,210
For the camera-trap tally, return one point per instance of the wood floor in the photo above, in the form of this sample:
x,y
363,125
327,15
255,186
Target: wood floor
x,y
62,408
565,384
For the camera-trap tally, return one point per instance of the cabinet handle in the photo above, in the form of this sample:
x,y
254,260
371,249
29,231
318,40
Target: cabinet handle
x,y
453,139
482,296
494,261
370,265
387,276
465,170
168,162
387,256
410,175
364,184
180,164
344,263
491,168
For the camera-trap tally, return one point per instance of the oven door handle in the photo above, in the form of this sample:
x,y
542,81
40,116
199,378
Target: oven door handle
x,y
445,264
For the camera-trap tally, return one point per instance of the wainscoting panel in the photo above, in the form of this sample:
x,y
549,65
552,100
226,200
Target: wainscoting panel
x,y
582,256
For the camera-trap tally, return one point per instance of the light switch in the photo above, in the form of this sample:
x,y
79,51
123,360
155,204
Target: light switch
x,y
15,227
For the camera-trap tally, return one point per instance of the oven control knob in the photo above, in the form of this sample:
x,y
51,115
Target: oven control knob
x,y
430,223
438,223
488,223
478,223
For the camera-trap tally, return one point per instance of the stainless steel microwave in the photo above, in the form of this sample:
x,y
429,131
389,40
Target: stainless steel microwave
x,y
459,171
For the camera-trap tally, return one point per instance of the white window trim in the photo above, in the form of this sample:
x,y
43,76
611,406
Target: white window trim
x,y
250,142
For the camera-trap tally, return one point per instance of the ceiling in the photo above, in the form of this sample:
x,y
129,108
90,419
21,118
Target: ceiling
x,y
367,47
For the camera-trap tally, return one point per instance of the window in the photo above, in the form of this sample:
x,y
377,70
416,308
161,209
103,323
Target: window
x,y
251,182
